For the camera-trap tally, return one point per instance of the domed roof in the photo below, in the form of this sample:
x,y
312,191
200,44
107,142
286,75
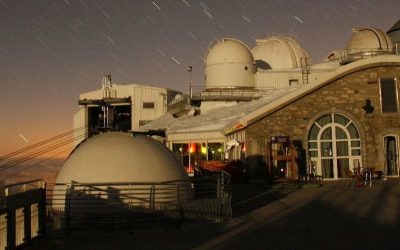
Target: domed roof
x,y
368,40
229,64
279,52
228,50
119,157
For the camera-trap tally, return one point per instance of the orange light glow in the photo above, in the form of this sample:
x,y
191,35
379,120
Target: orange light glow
x,y
192,148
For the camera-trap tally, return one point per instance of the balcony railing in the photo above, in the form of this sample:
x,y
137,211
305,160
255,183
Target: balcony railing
x,y
351,55
87,205
31,209
22,213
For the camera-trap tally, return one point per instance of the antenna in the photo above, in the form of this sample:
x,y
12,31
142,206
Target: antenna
x,y
190,69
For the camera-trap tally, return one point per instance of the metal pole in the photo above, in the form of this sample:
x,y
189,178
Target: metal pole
x,y
189,168
189,69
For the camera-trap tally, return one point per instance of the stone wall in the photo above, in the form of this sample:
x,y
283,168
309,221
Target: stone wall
x,y
346,95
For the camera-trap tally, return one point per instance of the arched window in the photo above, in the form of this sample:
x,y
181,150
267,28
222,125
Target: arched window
x,y
334,146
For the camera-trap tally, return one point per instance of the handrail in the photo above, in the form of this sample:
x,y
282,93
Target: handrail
x,y
348,55
74,183
23,183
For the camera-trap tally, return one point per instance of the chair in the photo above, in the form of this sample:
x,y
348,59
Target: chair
x,y
357,178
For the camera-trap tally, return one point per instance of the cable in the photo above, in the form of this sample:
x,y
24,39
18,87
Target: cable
x,y
40,152
32,165
41,143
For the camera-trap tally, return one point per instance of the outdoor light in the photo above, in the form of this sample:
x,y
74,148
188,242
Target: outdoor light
x,y
203,150
192,148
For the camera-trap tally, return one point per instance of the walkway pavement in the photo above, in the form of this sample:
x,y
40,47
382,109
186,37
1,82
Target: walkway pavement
x,y
333,216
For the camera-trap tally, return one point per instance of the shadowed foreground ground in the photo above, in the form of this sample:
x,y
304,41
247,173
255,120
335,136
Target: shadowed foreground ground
x,y
290,217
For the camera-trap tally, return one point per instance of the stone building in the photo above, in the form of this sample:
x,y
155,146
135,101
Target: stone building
x,y
349,120
329,118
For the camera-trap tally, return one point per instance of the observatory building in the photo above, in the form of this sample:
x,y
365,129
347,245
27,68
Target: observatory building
x,y
273,109
115,171
121,157
394,34
121,107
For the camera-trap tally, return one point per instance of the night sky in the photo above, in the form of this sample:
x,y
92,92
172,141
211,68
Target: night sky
x,y
52,50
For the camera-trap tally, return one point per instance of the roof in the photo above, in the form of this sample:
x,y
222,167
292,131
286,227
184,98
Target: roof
x,y
119,157
161,123
368,39
98,94
279,52
395,27
228,50
292,96
226,120
214,122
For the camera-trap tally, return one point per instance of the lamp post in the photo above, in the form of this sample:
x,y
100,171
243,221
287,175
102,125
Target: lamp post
x,y
189,69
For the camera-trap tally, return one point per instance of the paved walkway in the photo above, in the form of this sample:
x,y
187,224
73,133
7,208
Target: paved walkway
x,y
330,217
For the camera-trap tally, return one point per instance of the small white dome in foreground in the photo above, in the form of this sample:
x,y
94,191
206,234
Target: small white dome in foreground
x,y
119,157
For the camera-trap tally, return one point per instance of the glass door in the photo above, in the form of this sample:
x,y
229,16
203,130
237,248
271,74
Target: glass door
x,y
391,155
335,146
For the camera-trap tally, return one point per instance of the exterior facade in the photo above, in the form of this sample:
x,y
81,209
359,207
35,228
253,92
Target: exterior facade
x,y
329,118
350,120
119,107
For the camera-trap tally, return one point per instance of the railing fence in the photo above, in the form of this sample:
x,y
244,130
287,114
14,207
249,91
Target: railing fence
x,y
31,209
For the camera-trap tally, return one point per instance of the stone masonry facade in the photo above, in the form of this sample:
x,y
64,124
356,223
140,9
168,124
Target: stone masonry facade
x,y
345,95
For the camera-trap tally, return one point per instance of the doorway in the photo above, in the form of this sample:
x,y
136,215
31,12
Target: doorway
x,y
334,146
391,149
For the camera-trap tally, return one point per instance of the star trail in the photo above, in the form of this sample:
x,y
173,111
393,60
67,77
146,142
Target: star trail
x,y
52,50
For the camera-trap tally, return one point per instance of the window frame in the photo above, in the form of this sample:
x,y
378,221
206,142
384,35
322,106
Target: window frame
x,y
396,94
148,105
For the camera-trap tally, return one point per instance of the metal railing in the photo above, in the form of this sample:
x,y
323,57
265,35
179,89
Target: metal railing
x,y
31,209
22,216
350,55
87,205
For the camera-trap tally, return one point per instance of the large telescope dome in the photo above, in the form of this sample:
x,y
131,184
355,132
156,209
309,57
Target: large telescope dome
x,y
119,157
369,41
229,64
279,52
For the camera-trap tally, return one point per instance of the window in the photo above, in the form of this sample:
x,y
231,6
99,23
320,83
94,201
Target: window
x,y
388,92
148,105
334,145
144,122
293,82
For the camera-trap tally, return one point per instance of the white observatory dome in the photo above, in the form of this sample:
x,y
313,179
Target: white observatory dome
x,y
368,41
119,157
394,33
229,64
279,52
